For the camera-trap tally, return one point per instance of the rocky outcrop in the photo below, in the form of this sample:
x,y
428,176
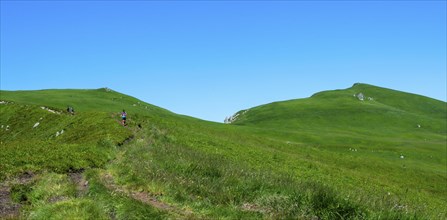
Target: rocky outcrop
x,y
233,118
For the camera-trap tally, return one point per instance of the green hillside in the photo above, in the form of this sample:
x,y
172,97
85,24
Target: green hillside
x,y
384,115
341,108
330,156
98,100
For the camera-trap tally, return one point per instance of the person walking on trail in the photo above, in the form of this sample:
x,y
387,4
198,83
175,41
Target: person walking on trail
x,y
123,117
70,110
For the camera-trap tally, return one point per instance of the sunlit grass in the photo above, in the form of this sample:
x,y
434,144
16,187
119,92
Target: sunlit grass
x,y
330,156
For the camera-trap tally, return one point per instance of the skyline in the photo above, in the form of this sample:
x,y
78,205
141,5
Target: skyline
x,y
211,59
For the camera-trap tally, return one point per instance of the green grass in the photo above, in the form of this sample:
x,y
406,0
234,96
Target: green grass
x,y
54,196
236,168
330,156
103,100
70,209
82,144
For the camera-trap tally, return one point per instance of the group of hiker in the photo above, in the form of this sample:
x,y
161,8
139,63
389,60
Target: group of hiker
x,y
71,111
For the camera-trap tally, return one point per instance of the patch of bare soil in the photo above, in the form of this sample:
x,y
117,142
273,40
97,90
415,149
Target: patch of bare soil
x,y
81,183
253,208
8,208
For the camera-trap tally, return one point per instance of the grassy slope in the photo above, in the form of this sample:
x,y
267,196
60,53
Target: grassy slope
x,y
397,111
380,130
289,159
94,123
102,100
90,140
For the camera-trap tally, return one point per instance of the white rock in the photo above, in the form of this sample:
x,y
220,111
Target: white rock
x,y
50,110
419,126
35,125
57,133
360,96
402,157
233,118
62,131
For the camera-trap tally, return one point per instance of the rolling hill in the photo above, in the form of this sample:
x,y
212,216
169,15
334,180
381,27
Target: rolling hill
x,y
330,156
380,108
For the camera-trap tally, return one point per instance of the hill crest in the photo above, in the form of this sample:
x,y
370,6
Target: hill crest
x,y
360,107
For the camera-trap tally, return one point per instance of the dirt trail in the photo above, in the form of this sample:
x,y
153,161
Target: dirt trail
x,y
145,197
133,130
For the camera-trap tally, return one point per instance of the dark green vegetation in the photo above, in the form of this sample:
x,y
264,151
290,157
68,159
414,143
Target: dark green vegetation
x,y
330,156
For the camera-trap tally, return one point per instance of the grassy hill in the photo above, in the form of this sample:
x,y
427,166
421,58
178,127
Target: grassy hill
x,y
341,109
98,100
330,156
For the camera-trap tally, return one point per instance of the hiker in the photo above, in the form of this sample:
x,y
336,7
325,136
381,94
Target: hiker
x,y
70,110
123,116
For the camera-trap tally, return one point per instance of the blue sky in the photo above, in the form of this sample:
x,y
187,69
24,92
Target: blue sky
x,y
210,59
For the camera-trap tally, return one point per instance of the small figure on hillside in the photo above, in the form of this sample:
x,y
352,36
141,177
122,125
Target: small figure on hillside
x,y
70,110
123,117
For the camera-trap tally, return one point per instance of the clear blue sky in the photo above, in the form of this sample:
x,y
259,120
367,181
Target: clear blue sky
x,y
211,59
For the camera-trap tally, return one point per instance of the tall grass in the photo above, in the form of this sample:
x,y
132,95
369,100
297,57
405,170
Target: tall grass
x,y
247,182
